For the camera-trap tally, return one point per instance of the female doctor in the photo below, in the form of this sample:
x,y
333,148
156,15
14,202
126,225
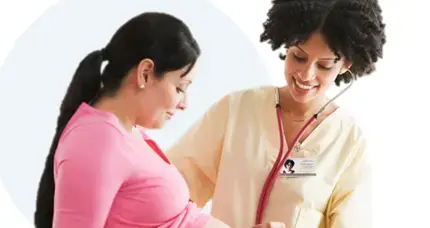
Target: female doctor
x,y
228,154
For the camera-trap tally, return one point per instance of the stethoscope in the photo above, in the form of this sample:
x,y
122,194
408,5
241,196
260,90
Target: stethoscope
x,y
274,172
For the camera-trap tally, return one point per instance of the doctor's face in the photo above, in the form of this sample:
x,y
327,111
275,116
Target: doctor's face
x,y
311,68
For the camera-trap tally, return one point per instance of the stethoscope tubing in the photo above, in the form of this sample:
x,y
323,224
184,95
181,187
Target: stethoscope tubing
x,y
274,172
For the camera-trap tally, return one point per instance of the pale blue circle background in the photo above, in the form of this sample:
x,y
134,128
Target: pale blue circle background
x,y
36,74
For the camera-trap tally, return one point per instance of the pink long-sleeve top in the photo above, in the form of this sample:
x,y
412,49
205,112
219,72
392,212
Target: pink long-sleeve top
x,y
106,177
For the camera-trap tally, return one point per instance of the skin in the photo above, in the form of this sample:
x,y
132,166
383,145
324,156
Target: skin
x,y
148,101
288,167
271,225
310,63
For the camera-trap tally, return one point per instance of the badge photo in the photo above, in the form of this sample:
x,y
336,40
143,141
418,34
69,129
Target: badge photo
x,y
299,167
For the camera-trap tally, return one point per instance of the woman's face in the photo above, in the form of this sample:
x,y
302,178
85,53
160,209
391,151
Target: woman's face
x,y
160,99
310,68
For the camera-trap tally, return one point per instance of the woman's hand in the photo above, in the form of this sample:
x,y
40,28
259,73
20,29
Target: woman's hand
x,y
270,225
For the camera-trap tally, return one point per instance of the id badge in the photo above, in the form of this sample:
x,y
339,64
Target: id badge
x,y
299,167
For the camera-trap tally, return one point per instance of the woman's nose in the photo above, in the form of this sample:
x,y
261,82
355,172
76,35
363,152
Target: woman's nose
x,y
183,104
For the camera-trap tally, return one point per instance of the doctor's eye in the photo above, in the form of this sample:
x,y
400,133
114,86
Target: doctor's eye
x,y
321,66
299,59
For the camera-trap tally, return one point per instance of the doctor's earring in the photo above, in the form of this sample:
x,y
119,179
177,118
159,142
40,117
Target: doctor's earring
x,y
141,86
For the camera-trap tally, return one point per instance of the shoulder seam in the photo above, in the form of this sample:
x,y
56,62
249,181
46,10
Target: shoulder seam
x,y
81,125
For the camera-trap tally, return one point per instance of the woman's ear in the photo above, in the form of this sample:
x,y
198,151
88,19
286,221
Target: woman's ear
x,y
145,71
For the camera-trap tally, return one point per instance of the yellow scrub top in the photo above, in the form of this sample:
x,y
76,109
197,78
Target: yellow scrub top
x,y
227,155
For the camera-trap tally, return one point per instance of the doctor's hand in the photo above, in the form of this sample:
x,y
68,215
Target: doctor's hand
x,y
270,225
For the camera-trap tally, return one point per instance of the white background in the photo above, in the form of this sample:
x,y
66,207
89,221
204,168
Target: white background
x,y
389,105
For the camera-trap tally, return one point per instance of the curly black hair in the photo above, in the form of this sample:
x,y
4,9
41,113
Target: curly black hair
x,y
352,28
289,162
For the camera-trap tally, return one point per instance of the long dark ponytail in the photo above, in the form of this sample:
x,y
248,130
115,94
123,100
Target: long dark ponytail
x,y
159,36
84,87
